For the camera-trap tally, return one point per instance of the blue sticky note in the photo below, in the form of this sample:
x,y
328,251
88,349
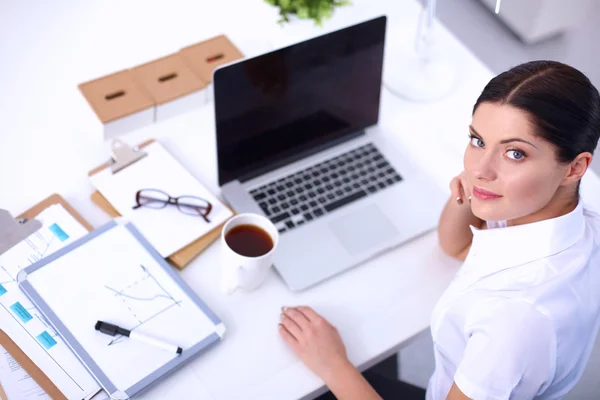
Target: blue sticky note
x,y
46,340
58,232
2,290
21,312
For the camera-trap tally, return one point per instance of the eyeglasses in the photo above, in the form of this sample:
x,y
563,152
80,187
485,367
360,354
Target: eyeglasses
x,y
157,199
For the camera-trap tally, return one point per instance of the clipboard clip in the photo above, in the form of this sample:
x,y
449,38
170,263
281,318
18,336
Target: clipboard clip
x,y
13,231
122,155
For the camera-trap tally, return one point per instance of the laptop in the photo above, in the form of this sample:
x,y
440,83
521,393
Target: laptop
x,y
298,141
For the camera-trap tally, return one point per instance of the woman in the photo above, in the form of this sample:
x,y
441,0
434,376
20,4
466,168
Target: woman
x,y
520,319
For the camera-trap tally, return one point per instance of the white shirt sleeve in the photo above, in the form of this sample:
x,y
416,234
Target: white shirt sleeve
x,y
510,353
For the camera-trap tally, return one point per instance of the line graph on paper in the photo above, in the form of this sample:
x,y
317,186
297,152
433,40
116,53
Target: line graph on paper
x,y
142,298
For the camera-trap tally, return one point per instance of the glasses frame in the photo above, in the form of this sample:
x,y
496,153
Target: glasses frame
x,y
202,211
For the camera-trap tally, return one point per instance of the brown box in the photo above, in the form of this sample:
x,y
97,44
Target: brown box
x,y
205,56
120,104
172,84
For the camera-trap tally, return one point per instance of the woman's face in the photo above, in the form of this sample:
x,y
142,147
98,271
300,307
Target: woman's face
x,y
513,173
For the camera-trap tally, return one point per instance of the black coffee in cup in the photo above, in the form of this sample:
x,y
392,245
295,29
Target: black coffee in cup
x,y
249,240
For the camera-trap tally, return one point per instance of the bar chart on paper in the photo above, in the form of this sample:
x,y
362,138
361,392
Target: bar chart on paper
x,y
24,323
47,240
40,244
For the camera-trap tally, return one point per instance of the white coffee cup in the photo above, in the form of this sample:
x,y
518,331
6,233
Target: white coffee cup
x,y
238,271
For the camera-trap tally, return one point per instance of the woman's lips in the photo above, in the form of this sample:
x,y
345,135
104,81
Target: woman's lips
x,y
484,194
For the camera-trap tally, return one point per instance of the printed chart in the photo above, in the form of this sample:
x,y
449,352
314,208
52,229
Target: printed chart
x,y
25,323
143,298
43,242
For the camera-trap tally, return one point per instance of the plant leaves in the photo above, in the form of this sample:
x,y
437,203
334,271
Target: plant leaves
x,y
317,10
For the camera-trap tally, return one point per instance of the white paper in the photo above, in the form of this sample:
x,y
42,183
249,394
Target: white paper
x,y
118,281
24,323
16,382
167,229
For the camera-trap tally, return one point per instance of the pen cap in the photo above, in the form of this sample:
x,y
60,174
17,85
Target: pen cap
x,y
110,329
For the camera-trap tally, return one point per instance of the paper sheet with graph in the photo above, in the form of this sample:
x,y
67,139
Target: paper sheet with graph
x,y
24,323
114,278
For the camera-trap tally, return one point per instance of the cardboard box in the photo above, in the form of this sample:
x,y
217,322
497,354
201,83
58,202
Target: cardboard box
x,y
120,104
206,56
160,89
172,85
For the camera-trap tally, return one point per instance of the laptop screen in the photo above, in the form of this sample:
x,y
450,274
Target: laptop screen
x,y
281,106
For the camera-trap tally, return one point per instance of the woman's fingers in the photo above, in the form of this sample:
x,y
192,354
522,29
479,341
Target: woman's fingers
x,y
287,336
457,190
309,313
465,188
292,327
298,317
460,189
319,346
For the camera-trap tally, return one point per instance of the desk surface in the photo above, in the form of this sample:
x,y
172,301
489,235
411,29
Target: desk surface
x,y
50,139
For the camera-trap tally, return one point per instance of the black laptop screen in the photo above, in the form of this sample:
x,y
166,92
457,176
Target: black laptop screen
x,y
280,106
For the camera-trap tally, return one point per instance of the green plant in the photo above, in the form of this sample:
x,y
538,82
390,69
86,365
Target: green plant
x,y
317,10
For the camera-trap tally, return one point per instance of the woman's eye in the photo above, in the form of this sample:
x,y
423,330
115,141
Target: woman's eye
x,y
475,141
515,155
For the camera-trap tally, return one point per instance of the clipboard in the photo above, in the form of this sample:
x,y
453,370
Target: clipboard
x,y
157,273
6,342
183,256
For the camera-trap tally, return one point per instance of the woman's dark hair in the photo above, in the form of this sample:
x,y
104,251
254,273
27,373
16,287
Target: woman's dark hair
x,y
562,103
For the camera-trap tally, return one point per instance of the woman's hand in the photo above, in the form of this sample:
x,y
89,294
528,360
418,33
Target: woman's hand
x,y
461,190
318,344
454,230
314,340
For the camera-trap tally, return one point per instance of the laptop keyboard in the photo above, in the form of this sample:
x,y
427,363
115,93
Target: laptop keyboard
x,y
309,194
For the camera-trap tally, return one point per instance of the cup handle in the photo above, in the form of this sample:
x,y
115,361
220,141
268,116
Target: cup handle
x,y
232,283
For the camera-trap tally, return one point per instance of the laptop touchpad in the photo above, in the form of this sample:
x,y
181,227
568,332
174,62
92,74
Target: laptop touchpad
x,y
363,229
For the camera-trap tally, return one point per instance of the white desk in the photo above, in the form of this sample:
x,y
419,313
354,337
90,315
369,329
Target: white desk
x,y
49,139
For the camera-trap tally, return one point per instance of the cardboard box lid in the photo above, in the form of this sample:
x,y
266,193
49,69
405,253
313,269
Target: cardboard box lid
x,y
115,96
205,56
167,78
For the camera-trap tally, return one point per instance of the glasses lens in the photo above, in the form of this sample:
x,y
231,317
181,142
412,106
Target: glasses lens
x,y
152,198
191,205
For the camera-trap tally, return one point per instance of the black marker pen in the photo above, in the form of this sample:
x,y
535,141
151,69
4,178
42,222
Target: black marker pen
x,y
112,330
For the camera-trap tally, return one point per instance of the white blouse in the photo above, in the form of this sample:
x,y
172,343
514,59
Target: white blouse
x,y
520,318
